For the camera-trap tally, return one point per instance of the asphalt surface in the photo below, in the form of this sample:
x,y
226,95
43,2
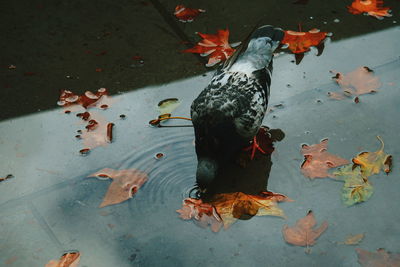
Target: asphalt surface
x,y
58,45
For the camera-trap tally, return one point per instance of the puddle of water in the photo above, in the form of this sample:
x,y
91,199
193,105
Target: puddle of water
x,y
57,210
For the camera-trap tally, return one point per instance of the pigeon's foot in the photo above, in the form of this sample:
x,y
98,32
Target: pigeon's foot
x,y
254,147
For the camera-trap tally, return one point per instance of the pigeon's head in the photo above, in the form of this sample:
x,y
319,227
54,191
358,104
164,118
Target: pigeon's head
x,y
206,173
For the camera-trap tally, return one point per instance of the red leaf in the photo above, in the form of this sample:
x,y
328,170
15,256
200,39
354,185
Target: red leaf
x,y
300,42
68,98
215,46
371,7
186,14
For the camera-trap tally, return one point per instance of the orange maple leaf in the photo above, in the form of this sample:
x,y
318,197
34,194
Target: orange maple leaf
x,y
185,14
215,46
317,161
233,206
371,7
124,185
303,233
69,259
300,42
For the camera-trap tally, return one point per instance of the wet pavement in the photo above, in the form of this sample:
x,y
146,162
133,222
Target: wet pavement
x,y
51,206
59,44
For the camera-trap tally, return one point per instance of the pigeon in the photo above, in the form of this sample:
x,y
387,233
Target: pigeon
x,y
228,113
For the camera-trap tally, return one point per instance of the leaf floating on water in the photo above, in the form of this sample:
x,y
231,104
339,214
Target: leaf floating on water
x,y
234,206
373,162
356,188
304,232
168,105
371,7
70,259
203,214
215,46
300,42
8,176
185,14
353,239
358,82
378,258
125,183
317,161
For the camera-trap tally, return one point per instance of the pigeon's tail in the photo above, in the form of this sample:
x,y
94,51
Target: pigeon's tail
x,y
257,52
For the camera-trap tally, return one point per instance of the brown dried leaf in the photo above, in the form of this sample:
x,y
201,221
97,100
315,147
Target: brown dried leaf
x,y
381,258
303,233
124,185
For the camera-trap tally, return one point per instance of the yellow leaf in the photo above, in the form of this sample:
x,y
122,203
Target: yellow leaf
x,y
353,239
372,162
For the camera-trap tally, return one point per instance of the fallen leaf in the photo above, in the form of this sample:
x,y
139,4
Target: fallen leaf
x,y
380,258
215,46
372,162
125,183
8,176
353,239
356,187
317,161
358,82
88,99
371,7
203,214
168,105
185,14
233,206
70,259
300,42
304,232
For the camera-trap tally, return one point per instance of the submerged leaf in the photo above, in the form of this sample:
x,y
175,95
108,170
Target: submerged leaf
x,y
185,14
70,259
371,7
304,232
356,187
233,206
203,214
358,82
124,185
215,46
300,42
353,239
380,258
372,162
317,161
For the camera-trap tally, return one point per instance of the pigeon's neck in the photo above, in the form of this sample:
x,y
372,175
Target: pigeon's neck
x,y
258,55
